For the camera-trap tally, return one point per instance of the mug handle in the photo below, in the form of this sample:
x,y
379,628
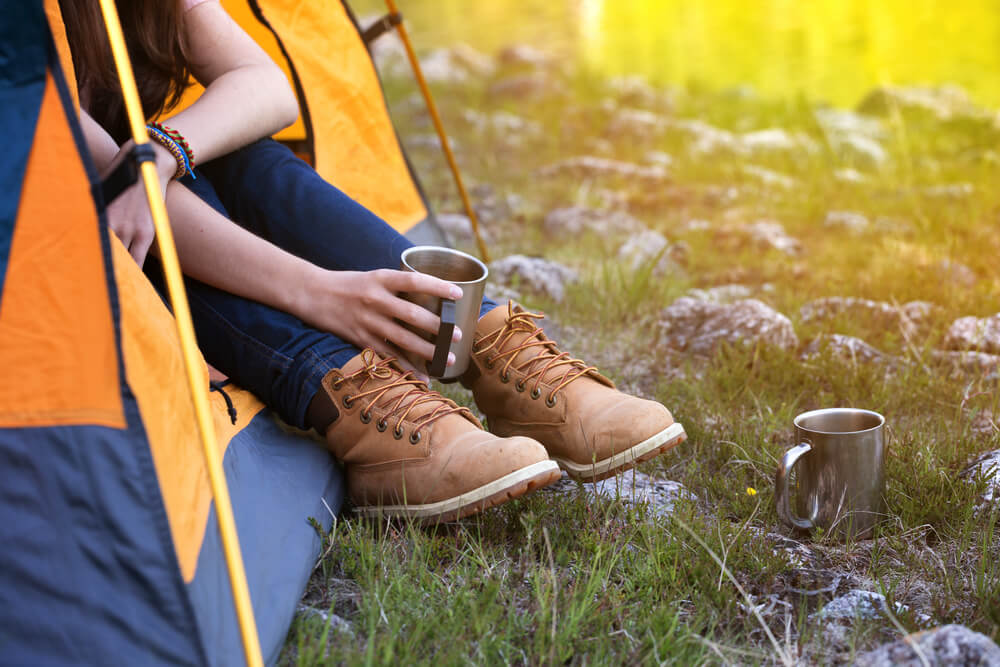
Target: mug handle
x,y
790,458
436,367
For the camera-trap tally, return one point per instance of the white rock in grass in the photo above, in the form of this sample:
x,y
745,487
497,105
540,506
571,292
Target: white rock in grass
x,y
944,102
848,175
721,293
769,177
573,220
533,274
987,467
944,646
459,229
859,604
969,362
633,487
705,138
589,166
906,317
843,122
772,234
971,333
524,55
646,247
864,151
700,327
636,123
846,347
951,191
850,220
777,140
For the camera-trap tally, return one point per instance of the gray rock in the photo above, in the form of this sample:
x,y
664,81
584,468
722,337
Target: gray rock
x,y
857,604
772,234
637,123
455,65
524,55
645,248
955,273
769,177
721,293
848,175
846,347
660,158
777,140
706,139
944,646
841,122
987,467
635,90
906,317
492,206
943,102
634,488
459,229
534,274
857,148
501,122
968,362
574,220
588,166
534,86
696,225
699,327
985,425
971,333
337,624
951,191
850,220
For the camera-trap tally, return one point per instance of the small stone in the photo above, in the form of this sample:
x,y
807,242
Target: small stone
x,y
769,177
455,65
534,274
699,327
501,122
848,175
573,220
772,234
843,122
721,293
696,225
987,467
634,488
706,139
857,604
971,333
459,228
846,347
636,90
776,140
596,167
943,102
944,646
636,123
976,363
850,220
645,248
985,425
660,158
864,151
335,622
534,86
955,273
905,317
951,191
524,55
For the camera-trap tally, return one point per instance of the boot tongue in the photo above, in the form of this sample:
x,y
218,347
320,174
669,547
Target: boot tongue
x,y
525,330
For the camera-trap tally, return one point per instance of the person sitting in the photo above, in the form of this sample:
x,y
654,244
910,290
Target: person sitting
x,y
293,287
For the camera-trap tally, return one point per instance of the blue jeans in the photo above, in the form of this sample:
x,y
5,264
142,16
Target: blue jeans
x,y
264,188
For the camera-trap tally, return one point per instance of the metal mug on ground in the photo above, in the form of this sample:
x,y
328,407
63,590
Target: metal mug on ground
x,y
470,275
840,456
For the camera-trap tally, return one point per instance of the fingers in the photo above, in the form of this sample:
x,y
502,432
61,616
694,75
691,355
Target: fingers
x,y
418,316
408,281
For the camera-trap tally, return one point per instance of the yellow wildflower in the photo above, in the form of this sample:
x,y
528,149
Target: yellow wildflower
x,y
751,491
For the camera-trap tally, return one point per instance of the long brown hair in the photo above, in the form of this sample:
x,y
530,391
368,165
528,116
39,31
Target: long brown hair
x,y
153,34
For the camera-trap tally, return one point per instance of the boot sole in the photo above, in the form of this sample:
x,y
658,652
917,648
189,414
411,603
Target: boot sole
x,y
655,445
497,492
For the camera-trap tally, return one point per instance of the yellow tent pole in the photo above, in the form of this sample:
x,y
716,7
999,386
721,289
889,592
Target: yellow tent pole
x,y
189,348
445,146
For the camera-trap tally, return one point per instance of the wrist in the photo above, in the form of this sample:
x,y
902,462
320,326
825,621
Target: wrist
x,y
306,290
166,164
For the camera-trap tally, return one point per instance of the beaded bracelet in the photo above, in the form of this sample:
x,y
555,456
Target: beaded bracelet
x,y
175,143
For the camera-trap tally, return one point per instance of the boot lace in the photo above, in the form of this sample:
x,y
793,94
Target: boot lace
x,y
547,357
382,376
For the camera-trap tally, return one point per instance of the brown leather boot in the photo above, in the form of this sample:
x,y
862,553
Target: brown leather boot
x,y
526,386
409,451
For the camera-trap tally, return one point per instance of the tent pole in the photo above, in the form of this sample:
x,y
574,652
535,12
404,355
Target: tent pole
x,y
189,348
445,146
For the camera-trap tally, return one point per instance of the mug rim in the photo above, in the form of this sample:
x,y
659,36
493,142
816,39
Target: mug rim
x,y
827,411
438,248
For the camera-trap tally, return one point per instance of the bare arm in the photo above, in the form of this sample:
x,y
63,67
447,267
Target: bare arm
x,y
247,96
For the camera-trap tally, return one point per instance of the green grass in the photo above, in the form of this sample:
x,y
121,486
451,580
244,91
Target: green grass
x,y
573,578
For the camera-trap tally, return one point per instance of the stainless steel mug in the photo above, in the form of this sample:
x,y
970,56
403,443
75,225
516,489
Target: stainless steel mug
x,y
470,275
840,453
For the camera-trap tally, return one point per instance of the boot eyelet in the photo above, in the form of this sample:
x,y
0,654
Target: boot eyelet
x,y
381,425
397,433
347,401
550,401
489,363
365,417
504,377
535,393
415,437
519,385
